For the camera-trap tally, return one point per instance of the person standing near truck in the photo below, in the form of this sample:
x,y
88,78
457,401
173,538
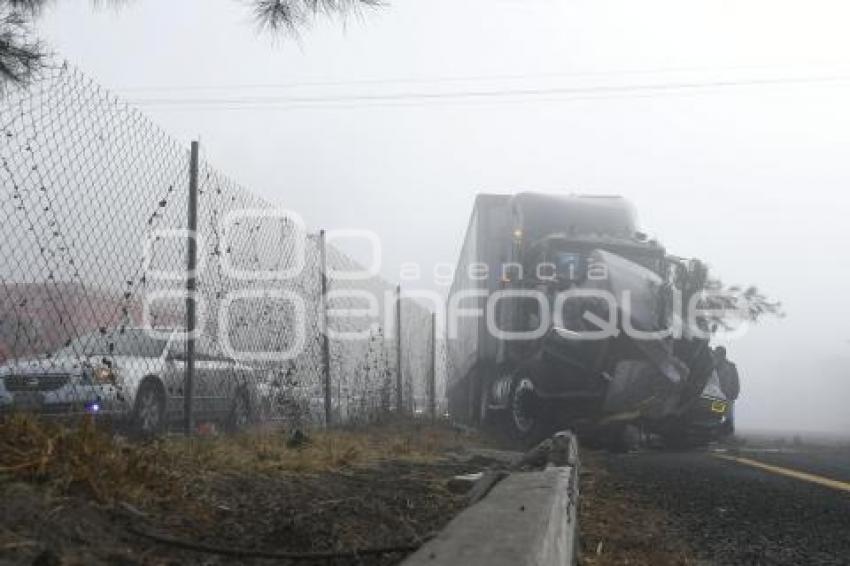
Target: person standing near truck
x,y
730,383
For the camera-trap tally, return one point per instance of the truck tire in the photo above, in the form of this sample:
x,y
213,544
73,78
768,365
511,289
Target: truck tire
x,y
525,415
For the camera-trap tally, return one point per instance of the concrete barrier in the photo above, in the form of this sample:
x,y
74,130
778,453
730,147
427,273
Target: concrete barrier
x,y
529,518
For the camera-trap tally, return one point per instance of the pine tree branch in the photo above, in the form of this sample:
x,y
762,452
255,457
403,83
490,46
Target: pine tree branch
x,y
22,54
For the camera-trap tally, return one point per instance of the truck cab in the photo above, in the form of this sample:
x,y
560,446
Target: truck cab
x,y
582,301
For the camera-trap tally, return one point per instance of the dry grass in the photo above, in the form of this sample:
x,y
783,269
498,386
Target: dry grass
x,y
267,451
85,459
66,488
81,459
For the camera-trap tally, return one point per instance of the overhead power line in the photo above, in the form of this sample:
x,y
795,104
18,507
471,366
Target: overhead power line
x,y
830,69
649,89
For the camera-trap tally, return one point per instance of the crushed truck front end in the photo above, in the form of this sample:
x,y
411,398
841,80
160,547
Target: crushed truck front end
x,y
577,319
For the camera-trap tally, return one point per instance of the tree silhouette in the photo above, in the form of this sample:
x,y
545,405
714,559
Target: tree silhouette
x,y
721,306
22,53
725,306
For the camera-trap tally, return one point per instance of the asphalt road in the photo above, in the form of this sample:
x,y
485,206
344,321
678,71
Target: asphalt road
x,y
753,505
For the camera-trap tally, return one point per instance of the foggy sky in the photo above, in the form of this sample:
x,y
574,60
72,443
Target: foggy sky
x,y
752,178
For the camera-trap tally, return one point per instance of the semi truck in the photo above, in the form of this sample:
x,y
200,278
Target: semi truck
x,y
563,314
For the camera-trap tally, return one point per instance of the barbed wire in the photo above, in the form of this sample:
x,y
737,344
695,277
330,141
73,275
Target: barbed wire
x,y
93,281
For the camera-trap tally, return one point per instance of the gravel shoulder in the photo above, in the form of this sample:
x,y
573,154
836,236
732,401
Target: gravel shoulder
x,y
621,525
713,511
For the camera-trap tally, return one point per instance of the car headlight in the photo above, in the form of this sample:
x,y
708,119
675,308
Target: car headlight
x,y
104,376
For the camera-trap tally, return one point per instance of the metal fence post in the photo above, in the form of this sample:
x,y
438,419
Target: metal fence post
x,y
399,396
191,288
432,381
326,345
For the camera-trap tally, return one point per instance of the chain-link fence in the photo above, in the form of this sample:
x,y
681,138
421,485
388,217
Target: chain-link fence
x,y
95,256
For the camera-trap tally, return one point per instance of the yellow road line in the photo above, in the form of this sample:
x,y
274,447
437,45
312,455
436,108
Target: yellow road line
x,y
811,478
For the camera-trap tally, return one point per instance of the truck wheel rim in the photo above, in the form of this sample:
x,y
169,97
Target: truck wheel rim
x,y
522,406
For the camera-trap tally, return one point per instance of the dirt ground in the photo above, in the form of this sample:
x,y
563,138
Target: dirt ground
x,y
360,496
367,495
